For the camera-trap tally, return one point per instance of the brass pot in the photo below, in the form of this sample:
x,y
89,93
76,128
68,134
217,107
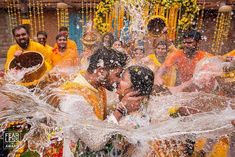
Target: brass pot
x,y
27,60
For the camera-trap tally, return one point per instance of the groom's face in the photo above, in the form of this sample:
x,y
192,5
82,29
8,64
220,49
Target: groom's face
x,y
112,79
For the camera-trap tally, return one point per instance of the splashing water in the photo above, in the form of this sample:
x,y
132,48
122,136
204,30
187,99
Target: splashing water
x,y
15,75
207,69
49,123
137,24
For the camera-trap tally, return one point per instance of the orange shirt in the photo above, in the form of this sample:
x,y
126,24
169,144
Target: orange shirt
x,y
67,58
185,66
70,45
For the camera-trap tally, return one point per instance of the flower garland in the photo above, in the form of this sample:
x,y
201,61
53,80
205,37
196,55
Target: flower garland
x,y
103,9
189,10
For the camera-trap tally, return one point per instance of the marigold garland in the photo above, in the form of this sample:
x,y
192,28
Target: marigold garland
x,y
189,11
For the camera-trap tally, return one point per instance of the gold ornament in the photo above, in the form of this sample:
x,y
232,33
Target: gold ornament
x,y
62,15
223,22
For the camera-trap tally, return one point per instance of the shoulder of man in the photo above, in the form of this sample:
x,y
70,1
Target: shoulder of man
x,y
204,54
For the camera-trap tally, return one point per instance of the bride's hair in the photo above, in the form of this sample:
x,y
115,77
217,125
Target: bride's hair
x,y
142,79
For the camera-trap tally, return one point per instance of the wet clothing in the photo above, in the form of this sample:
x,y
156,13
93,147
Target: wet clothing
x,y
94,97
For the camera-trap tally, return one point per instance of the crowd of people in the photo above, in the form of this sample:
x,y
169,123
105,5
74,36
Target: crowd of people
x,y
107,64
106,58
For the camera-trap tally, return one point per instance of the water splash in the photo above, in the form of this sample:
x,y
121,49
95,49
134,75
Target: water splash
x,y
80,123
137,23
15,75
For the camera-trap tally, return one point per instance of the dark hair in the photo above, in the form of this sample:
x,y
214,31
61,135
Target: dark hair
x,y
193,34
63,28
142,79
19,27
111,37
156,25
162,42
106,58
42,33
60,35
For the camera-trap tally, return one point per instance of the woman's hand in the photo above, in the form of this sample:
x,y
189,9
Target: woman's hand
x,y
131,101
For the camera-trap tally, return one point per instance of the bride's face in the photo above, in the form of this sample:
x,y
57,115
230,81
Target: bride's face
x,y
125,84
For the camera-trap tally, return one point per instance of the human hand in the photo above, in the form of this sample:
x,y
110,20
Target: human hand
x,y
131,102
18,53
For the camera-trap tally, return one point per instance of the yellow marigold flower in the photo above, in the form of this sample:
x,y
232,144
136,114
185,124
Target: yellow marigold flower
x,y
173,110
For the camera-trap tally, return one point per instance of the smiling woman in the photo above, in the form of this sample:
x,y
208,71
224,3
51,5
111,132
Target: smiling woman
x,y
63,56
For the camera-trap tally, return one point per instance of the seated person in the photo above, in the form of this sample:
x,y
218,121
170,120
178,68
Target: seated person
x,y
134,89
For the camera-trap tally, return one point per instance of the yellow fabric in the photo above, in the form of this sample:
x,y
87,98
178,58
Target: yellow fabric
x,y
170,77
67,58
49,49
95,97
154,59
161,148
70,45
231,53
219,149
33,46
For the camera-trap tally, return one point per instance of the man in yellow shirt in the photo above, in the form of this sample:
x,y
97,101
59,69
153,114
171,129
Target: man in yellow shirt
x,y
104,70
21,35
42,39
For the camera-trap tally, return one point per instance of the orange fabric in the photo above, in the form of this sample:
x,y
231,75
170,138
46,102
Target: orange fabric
x,y
70,45
185,66
68,58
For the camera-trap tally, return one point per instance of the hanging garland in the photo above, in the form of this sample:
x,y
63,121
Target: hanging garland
x,y
103,9
189,11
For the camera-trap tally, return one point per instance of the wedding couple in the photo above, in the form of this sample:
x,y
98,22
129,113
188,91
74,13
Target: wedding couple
x,y
106,68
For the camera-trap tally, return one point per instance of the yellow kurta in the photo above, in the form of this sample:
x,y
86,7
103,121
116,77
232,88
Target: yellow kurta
x,y
48,49
170,77
33,46
95,97
231,53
